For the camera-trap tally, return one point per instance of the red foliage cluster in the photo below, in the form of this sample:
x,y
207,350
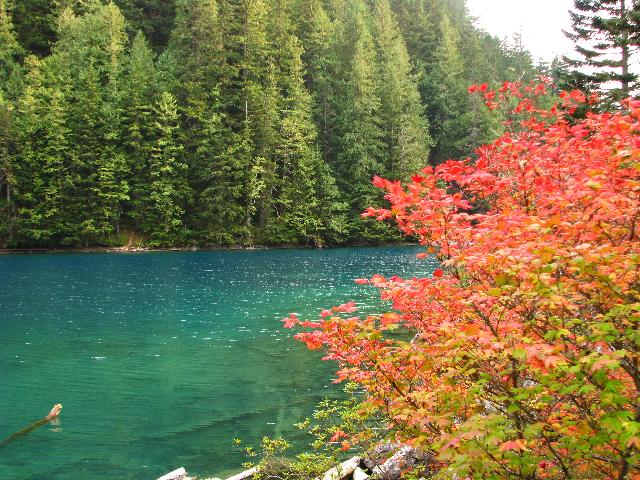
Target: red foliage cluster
x,y
524,359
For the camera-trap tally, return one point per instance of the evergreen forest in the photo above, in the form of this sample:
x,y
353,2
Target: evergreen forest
x,y
231,122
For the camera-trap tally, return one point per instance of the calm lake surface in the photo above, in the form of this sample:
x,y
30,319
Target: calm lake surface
x,y
162,359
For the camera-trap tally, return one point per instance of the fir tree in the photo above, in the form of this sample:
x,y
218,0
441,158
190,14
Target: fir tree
x,y
140,85
197,52
406,129
316,32
361,149
154,18
169,189
298,203
42,179
605,33
35,22
9,49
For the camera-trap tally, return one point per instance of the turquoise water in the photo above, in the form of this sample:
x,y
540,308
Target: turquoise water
x,y
162,359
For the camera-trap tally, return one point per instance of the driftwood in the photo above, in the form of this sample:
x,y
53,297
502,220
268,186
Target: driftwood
x,y
178,474
246,475
359,474
342,471
53,414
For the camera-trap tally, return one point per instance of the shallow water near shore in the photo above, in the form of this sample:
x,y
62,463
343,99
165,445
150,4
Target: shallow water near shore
x,y
162,359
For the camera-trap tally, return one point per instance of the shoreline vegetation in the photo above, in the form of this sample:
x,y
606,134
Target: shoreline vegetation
x,y
193,248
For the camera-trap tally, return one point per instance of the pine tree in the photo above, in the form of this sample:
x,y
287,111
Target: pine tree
x,y
297,206
9,49
361,149
416,22
6,171
447,94
154,18
140,88
406,129
34,24
316,32
195,48
113,170
87,64
197,52
42,180
275,117
169,190
260,98
605,33
459,122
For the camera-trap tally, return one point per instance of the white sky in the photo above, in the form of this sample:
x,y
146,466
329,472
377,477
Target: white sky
x,y
540,22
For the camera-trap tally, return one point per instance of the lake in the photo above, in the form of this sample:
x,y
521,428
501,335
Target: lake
x,y
162,359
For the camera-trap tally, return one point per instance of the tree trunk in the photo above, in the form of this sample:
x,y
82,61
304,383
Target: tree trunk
x,y
625,49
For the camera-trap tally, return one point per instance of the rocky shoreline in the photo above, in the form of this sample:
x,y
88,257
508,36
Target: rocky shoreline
x,y
387,461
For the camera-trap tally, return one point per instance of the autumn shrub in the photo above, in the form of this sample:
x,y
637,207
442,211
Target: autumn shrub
x,y
521,353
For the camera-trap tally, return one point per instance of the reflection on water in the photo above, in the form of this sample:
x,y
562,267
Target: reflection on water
x,y
161,359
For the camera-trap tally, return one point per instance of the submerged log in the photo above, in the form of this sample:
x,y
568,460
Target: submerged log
x,y
53,414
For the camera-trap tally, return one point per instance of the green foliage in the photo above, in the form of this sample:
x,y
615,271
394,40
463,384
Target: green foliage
x,y
229,122
154,18
34,24
332,421
406,129
168,190
450,54
275,465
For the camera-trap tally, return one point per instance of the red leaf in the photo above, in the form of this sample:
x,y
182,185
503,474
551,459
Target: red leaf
x,y
290,321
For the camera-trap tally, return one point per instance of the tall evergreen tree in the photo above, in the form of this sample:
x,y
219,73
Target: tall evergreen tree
x,y
9,47
361,149
197,52
447,96
152,17
86,65
297,207
406,130
459,122
140,89
42,177
276,116
606,34
169,190
35,22
317,33
9,50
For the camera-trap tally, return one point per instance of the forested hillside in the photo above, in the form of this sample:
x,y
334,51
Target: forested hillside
x,y
230,122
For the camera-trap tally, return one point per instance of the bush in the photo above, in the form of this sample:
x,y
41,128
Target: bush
x,y
524,362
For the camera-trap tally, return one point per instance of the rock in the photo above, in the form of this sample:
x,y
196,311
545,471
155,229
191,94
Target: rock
x,y
342,471
178,474
359,474
380,453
